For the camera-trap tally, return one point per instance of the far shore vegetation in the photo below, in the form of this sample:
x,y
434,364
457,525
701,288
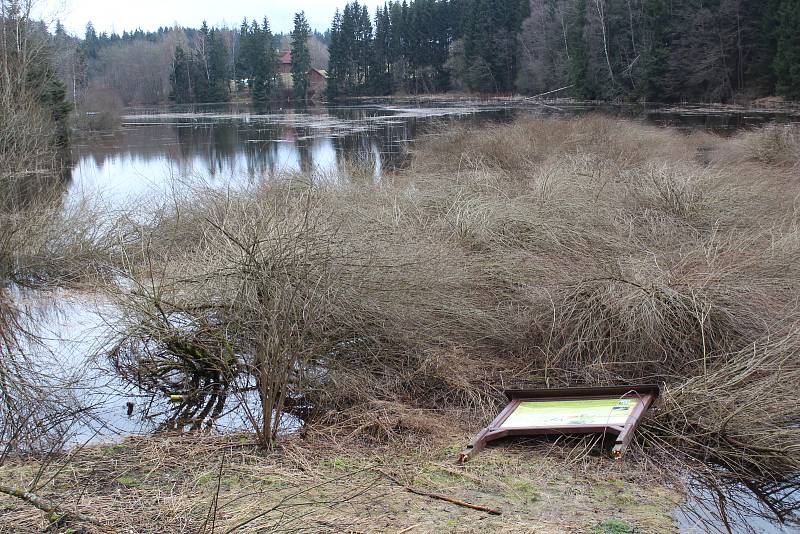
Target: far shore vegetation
x,y
733,51
362,331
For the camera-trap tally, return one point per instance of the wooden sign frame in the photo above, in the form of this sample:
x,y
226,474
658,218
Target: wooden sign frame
x,y
644,394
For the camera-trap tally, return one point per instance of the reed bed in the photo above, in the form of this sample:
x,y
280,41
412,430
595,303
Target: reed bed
x,y
547,252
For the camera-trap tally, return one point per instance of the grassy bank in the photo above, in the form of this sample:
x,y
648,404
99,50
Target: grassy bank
x,y
546,253
203,484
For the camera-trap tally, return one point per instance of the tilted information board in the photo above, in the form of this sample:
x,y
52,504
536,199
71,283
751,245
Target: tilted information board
x,y
614,410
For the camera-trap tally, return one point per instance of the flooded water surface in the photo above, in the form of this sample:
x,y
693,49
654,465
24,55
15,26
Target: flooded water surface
x,y
217,145
230,143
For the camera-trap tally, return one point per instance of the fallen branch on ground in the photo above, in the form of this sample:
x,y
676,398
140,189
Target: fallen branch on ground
x,y
441,497
49,507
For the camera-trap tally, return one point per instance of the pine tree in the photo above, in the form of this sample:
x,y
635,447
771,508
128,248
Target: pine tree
x,y
301,56
577,47
265,68
654,56
180,79
787,60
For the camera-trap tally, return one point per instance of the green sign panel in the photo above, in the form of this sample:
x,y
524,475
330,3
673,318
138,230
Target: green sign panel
x,y
593,412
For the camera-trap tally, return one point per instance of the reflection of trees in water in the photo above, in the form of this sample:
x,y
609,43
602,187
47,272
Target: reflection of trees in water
x,y
394,153
303,145
221,148
215,143
723,501
355,155
31,191
261,157
254,147
376,150
146,142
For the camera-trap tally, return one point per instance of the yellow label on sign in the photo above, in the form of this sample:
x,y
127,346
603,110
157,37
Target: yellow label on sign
x,y
595,412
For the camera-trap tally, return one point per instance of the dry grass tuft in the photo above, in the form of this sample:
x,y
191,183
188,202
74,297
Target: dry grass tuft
x,y
775,144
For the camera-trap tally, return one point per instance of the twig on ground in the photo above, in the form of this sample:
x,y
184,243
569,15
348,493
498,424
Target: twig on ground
x,y
50,507
440,497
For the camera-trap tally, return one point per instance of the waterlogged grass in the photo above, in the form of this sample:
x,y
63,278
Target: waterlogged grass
x,y
129,481
615,526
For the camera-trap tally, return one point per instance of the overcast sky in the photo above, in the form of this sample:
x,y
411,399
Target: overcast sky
x,y
120,15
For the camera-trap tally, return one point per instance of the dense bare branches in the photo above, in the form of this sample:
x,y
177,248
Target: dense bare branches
x,y
43,243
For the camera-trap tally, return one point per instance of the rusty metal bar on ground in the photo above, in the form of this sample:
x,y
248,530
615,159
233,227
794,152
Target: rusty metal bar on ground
x,y
613,410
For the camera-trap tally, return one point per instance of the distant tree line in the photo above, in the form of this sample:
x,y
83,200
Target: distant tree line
x,y
139,67
426,46
654,50
662,50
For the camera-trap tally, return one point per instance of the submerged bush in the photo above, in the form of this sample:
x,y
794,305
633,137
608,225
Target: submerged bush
x,y
100,111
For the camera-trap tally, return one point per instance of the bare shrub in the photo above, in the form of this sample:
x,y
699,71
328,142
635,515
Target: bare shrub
x,y
361,168
733,425
283,291
101,110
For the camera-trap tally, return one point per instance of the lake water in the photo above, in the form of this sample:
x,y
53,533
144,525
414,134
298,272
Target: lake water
x,y
230,144
226,144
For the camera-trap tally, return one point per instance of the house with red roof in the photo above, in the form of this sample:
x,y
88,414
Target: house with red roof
x,y
318,79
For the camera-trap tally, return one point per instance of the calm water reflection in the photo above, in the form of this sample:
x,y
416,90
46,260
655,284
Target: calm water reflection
x,y
155,147
229,143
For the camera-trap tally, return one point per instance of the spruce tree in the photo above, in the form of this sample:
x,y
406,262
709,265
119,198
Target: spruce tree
x,y
244,63
577,47
265,68
30,69
91,44
380,80
787,60
364,48
301,56
180,78
218,75
200,71
655,53
335,68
